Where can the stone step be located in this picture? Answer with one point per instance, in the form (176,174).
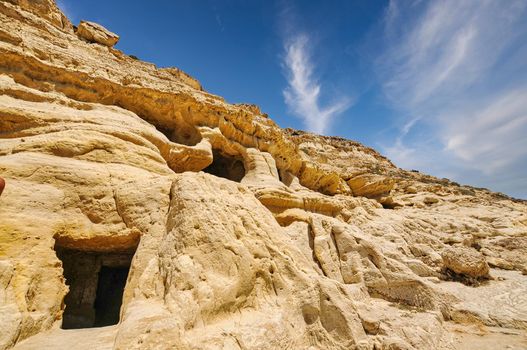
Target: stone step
(101,338)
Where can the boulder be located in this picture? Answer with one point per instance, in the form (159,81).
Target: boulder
(465,261)
(371,186)
(95,33)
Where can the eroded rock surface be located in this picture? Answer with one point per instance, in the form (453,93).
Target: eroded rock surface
(94,32)
(243,235)
(465,261)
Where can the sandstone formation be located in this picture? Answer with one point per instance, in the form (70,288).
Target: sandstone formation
(465,261)
(223,230)
(95,33)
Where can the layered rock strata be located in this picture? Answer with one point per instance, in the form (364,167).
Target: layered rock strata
(243,235)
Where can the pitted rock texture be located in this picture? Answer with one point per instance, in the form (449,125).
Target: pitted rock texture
(243,235)
(465,261)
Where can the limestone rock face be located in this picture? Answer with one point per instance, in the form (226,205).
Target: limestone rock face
(94,32)
(46,9)
(215,228)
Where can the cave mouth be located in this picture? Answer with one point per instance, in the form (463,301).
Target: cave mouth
(228,167)
(183,133)
(96,282)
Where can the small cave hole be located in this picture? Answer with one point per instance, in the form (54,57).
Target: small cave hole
(225,166)
(389,205)
(476,246)
(165,131)
(96,282)
(186,134)
(285,177)
(183,134)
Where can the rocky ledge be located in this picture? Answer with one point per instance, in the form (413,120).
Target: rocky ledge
(136,200)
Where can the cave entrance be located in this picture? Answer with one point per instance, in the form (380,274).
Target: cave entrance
(228,167)
(110,289)
(96,282)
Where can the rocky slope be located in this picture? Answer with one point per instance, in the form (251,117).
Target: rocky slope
(237,234)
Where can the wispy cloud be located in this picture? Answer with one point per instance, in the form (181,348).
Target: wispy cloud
(493,136)
(302,94)
(65,7)
(220,22)
(457,70)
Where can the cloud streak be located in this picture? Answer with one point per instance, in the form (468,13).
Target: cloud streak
(303,93)
(492,137)
(456,70)
(65,7)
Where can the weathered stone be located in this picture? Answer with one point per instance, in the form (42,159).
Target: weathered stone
(46,9)
(243,235)
(370,186)
(95,33)
(465,261)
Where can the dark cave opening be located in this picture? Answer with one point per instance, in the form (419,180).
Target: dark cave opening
(228,167)
(388,205)
(96,282)
(109,297)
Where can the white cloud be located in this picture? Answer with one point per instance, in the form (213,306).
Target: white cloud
(457,70)
(493,137)
(302,94)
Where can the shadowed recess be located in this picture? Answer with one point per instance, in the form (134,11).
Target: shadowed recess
(225,166)
(96,284)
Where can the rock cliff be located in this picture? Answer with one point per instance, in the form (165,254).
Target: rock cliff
(137,201)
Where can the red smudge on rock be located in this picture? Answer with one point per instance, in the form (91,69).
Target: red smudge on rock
(2,185)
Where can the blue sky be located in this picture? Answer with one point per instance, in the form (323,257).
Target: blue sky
(438,86)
